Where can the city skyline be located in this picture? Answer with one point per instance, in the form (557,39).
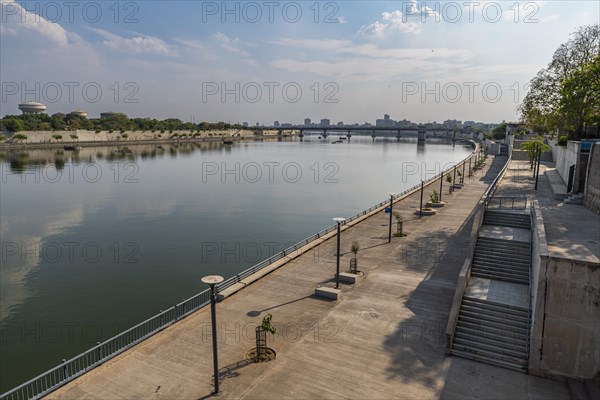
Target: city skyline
(250,61)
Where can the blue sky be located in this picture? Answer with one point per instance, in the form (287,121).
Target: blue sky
(262,61)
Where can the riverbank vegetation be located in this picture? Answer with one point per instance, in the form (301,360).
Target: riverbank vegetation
(116,123)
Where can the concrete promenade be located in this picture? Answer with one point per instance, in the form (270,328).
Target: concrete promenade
(384,339)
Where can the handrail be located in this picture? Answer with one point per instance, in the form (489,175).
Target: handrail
(68,370)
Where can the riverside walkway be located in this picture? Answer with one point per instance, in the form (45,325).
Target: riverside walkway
(383,339)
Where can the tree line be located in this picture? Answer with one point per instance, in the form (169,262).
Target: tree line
(115,123)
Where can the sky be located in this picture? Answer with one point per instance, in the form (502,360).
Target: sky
(350,61)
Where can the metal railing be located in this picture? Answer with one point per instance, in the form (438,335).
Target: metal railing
(507,203)
(70,369)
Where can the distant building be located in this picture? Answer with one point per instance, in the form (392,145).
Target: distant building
(325,122)
(245,124)
(341,123)
(276,124)
(110,114)
(307,122)
(32,107)
(78,113)
(386,122)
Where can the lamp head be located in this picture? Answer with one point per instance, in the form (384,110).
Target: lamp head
(212,279)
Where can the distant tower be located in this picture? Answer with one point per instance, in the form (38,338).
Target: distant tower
(32,107)
(79,113)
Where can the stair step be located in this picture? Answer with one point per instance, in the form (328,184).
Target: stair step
(502,221)
(519,271)
(525,250)
(499,278)
(485,317)
(488,305)
(491,330)
(514,247)
(500,348)
(496,312)
(496,304)
(502,259)
(513,338)
(508,261)
(499,363)
(497,325)
(491,354)
(502,243)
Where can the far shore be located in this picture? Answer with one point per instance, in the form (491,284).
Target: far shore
(46,139)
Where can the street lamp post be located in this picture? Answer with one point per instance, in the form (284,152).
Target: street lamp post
(339,221)
(391,212)
(441,183)
(212,281)
(421,204)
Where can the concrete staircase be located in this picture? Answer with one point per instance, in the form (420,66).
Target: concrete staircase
(507,218)
(503,260)
(493,333)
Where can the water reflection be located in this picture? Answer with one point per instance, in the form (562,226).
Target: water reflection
(20,160)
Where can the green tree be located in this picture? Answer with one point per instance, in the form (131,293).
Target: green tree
(533,146)
(541,108)
(579,104)
(13,124)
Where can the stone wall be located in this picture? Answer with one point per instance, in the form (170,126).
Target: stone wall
(565,158)
(565,329)
(106,136)
(592,184)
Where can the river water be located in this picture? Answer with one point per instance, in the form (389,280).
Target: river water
(95,241)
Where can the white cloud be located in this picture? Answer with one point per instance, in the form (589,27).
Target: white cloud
(138,44)
(234,46)
(399,21)
(14,17)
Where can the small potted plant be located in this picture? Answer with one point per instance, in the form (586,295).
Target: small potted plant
(262,351)
(399,224)
(434,200)
(458,185)
(353,261)
(449,180)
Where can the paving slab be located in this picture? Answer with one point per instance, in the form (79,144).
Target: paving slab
(511,294)
(505,233)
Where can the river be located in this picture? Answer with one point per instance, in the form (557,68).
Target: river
(97,240)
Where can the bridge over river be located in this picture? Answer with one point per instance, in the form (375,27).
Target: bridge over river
(420,132)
